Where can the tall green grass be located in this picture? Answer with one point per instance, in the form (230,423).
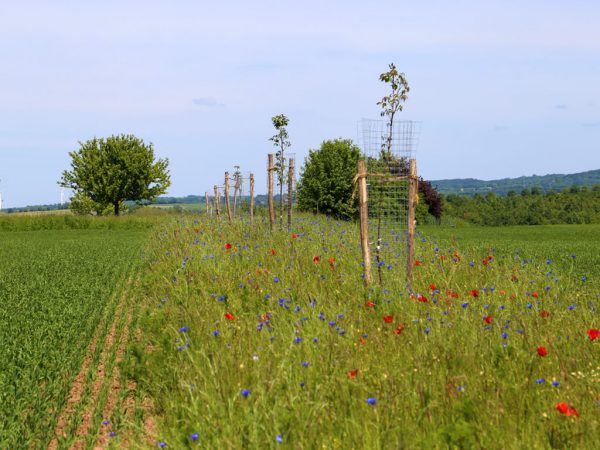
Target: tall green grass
(263,345)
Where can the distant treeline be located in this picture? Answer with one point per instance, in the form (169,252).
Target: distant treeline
(545,183)
(34,208)
(529,207)
(200,199)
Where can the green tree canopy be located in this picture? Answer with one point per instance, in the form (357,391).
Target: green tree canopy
(325,184)
(116,169)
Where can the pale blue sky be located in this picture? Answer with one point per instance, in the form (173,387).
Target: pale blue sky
(502,88)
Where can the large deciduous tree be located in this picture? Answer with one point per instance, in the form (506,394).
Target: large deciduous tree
(325,184)
(116,169)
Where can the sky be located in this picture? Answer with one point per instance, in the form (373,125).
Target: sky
(502,88)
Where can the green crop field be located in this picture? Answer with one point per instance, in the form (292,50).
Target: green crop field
(260,340)
(201,334)
(56,287)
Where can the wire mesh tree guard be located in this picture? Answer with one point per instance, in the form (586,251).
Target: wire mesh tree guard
(390,194)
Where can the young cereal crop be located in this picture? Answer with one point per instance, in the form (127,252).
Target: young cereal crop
(56,287)
(261,340)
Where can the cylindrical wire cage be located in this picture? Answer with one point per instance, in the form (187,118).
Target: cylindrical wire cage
(388,152)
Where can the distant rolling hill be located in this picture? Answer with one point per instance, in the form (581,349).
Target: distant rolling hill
(557,182)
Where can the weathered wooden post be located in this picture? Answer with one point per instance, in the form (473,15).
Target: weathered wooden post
(206,200)
(251,198)
(227,196)
(217,201)
(270,193)
(237,190)
(291,169)
(361,175)
(413,197)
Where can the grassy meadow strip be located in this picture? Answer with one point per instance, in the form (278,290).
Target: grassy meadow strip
(261,340)
(55,287)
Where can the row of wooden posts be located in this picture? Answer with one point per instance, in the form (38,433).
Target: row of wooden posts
(237,196)
(361,177)
(413,197)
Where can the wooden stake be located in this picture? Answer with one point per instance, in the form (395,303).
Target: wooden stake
(270,193)
(217,201)
(413,196)
(291,170)
(237,191)
(251,198)
(361,175)
(227,196)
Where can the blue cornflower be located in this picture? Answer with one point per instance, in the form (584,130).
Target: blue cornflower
(504,335)
(315,340)
(540,380)
(105,422)
(245,393)
(464,305)
(279,438)
(297,340)
(529,306)
(305,364)
(331,323)
(276,279)
(583,278)
(194,437)
(372,401)
(427,330)
(216,333)
(471,263)
(112,434)
(184,329)
(162,444)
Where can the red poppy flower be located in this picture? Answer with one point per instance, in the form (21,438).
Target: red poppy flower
(228,246)
(544,313)
(488,319)
(502,292)
(316,259)
(443,257)
(362,340)
(450,293)
(474,293)
(418,263)
(388,319)
(352,374)
(535,295)
(567,410)
(229,316)
(273,252)
(432,286)
(370,304)
(542,351)
(421,298)
(593,334)
(400,328)
(294,235)
(331,261)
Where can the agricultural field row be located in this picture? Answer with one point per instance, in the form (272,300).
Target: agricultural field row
(260,340)
(59,291)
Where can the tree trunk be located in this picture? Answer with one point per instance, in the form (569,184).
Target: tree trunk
(116,208)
